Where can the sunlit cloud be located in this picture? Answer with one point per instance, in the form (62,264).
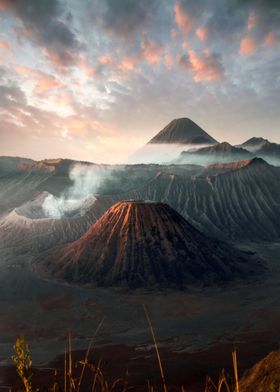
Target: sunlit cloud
(206,67)
(248,46)
(4,45)
(105,59)
(129,63)
(270,39)
(98,80)
(202,33)
(152,52)
(183,19)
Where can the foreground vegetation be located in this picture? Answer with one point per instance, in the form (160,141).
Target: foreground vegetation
(73,381)
(84,375)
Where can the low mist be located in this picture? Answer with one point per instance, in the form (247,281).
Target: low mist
(161,153)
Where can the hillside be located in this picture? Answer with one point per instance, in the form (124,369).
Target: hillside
(144,244)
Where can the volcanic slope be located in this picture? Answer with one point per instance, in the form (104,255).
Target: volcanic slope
(240,203)
(144,244)
(182,131)
(263,148)
(28,229)
(220,152)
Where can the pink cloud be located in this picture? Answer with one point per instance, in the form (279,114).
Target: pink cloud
(83,65)
(43,82)
(248,46)
(270,39)
(62,61)
(4,45)
(105,59)
(252,21)
(151,51)
(206,66)
(4,4)
(183,19)
(202,33)
(20,69)
(129,63)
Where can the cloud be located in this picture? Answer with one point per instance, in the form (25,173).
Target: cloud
(46,83)
(43,82)
(4,45)
(248,46)
(124,17)
(151,51)
(270,39)
(206,67)
(128,63)
(44,23)
(132,60)
(168,61)
(105,59)
(183,19)
(252,21)
(11,96)
(202,33)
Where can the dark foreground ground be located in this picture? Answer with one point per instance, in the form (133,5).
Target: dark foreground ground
(196,331)
(137,366)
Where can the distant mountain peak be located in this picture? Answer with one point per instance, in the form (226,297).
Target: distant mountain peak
(255,141)
(258,161)
(182,131)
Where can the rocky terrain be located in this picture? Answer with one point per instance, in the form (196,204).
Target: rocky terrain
(242,202)
(58,204)
(146,244)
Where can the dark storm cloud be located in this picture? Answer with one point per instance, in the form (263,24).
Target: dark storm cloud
(43,22)
(126,17)
(270,6)
(225,19)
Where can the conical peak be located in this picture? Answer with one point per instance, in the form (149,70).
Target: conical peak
(182,131)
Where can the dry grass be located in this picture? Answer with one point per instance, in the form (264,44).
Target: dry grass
(73,381)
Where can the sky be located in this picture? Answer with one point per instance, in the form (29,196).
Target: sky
(96,79)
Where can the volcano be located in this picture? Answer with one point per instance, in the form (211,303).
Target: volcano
(220,152)
(30,227)
(263,148)
(182,131)
(145,244)
(254,143)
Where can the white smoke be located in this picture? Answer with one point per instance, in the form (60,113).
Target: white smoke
(77,199)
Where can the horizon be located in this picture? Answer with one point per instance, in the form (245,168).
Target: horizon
(127,160)
(98,81)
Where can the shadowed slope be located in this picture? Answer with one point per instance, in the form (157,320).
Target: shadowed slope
(242,203)
(220,152)
(144,244)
